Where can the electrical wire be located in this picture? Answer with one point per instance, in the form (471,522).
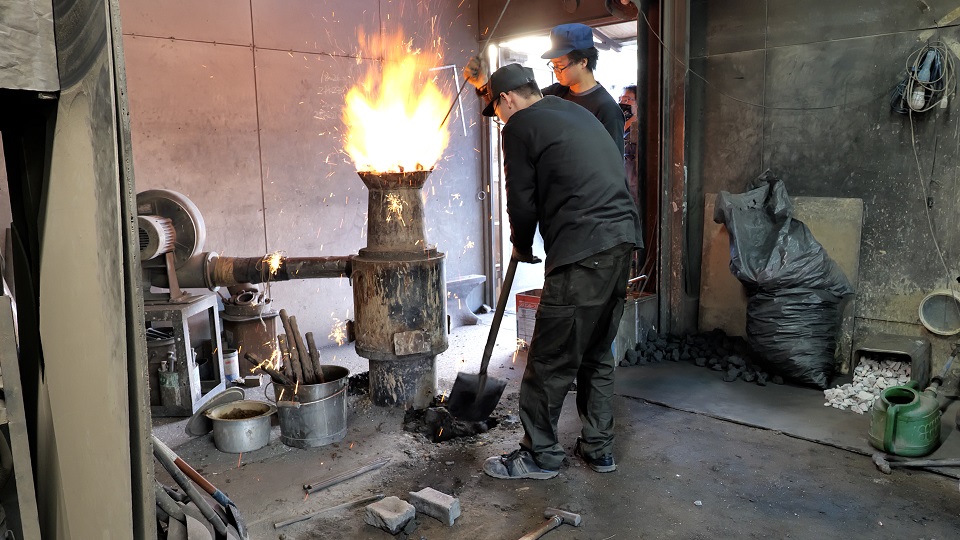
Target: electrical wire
(933,233)
(941,83)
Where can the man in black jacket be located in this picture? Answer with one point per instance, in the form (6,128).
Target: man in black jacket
(564,173)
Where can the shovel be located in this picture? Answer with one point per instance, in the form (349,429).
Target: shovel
(474,397)
(233,513)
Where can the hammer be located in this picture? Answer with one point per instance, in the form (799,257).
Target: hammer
(885,463)
(555,518)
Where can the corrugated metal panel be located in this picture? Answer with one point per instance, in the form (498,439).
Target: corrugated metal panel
(28,55)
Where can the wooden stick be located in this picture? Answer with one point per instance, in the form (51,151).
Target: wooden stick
(315,357)
(295,356)
(277,376)
(309,373)
(288,367)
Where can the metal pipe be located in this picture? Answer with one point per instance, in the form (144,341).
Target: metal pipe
(226,271)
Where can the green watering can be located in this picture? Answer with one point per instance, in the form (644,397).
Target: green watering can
(906,422)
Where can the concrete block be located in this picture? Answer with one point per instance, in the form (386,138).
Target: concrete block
(390,514)
(436,504)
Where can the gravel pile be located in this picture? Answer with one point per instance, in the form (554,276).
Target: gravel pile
(873,375)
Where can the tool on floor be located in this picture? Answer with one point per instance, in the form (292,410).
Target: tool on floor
(483,49)
(555,518)
(163,455)
(357,502)
(885,463)
(233,513)
(197,527)
(323,483)
(474,397)
(166,503)
(176,530)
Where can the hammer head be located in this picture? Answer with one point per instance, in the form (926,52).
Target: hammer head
(568,518)
(882,464)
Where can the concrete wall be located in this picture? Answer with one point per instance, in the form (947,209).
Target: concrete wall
(237,104)
(802,89)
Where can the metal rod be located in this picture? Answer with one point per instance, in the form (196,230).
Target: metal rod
(323,483)
(480,55)
(305,517)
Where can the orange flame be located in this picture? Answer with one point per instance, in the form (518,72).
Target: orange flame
(393,115)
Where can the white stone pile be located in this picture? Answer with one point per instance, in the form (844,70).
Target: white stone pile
(871,377)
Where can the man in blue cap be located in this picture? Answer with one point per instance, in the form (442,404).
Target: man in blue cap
(573,58)
(565,175)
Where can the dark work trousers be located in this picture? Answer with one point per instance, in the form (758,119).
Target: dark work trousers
(577,321)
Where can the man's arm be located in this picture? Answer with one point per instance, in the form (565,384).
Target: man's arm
(521,187)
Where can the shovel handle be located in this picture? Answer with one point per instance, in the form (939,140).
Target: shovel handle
(498,316)
(192,474)
(166,457)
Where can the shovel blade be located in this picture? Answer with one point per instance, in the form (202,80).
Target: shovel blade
(474,397)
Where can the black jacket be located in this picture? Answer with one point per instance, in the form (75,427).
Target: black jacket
(599,102)
(564,172)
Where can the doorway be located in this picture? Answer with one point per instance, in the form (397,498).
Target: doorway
(617,68)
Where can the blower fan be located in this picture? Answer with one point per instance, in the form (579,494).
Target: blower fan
(172,234)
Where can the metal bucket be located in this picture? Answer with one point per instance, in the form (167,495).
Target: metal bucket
(241,426)
(314,414)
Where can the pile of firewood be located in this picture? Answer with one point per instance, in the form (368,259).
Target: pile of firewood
(299,361)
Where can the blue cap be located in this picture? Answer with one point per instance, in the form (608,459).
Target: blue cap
(569,37)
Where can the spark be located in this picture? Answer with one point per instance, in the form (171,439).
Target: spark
(238,459)
(273,261)
(441,433)
(339,332)
(395,206)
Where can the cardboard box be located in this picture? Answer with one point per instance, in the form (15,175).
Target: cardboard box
(527,304)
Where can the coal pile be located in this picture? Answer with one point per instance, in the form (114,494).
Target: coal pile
(359,384)
(437,424)
(730,355)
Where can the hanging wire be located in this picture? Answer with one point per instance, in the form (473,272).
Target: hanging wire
(914,94)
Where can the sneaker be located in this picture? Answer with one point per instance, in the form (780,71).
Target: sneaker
(602,464)
(516,464)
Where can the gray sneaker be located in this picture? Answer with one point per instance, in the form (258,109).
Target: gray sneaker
(516,464)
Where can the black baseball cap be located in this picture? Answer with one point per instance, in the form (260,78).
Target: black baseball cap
(509,77)
(568,37)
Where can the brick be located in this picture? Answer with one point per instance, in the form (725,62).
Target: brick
(437,505)
(390,514)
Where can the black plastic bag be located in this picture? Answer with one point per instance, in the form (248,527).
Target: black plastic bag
(794,332)
(795,288)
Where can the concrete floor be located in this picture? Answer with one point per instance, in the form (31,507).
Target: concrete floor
(750,483)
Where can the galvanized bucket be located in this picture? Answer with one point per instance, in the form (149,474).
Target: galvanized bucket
(314,414)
